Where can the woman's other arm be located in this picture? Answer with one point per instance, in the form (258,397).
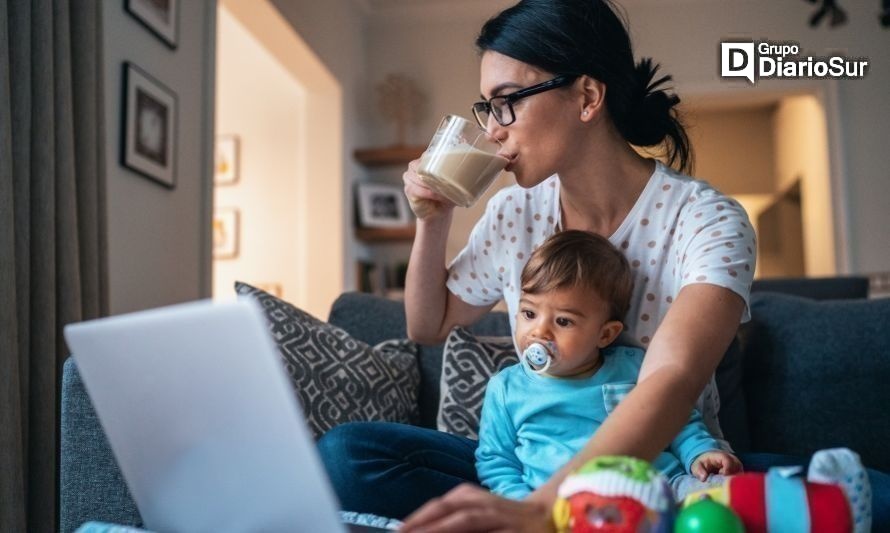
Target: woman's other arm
(431,309)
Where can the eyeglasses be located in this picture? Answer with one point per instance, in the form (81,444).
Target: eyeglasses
(501,107)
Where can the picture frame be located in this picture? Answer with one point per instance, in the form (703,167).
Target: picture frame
(382,206)
(160,17)
(226,162)
(226,232)
(148,140)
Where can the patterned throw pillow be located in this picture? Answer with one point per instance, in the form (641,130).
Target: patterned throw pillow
(468,362)
(338,378)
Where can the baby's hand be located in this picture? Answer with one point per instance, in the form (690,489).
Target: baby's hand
(716,462)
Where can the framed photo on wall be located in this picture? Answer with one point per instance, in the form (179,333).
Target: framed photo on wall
(226,161)
(159,16)
(149,126)
(382,206)
(226,221)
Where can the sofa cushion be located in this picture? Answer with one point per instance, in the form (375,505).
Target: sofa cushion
(468,362)
(816,376)
(336,377)
(373,319)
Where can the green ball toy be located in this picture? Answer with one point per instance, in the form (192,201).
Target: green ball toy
(708,516)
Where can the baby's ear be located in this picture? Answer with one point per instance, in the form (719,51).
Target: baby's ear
(610,332)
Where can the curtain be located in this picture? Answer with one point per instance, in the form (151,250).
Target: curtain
(53,251)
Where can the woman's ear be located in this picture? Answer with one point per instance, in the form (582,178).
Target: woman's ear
(609,332)
(593,98)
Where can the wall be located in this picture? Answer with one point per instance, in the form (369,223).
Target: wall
(434,44)
(158,243)
(259,100)
(724,141)
(801,152)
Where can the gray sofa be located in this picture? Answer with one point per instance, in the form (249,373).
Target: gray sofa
(808,372)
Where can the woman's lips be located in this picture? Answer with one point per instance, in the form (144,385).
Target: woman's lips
(511,160)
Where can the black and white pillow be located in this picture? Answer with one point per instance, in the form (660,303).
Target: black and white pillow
(468,362)
(336,377)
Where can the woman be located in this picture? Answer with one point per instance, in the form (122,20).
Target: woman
(563,95)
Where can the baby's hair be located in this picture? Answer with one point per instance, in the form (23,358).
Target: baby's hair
(580,259)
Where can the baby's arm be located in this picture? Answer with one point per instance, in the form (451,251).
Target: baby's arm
(700,453)
(497,466)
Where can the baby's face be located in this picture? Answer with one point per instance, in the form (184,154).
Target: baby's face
(572,319)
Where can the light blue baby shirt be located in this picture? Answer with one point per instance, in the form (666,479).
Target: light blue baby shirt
(532,425)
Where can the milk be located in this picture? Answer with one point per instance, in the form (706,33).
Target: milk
(460,173)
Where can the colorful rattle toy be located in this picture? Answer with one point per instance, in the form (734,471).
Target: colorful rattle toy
(834,497)
(612,494)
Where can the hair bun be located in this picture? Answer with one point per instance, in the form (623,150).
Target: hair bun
(650,114)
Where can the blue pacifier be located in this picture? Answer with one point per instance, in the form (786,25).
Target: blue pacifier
(538,356)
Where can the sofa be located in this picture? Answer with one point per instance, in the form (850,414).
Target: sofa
(807,372)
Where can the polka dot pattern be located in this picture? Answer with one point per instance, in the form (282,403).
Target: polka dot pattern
(681,232)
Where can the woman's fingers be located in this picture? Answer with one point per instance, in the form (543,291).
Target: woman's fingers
(439,508)
(423,200)
(470,508)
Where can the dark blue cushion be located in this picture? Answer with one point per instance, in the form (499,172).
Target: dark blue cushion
(817,375)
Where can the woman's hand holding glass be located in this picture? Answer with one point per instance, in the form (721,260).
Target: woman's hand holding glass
(425,202)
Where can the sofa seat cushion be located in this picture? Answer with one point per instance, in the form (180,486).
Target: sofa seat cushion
(817,375)
(336,377)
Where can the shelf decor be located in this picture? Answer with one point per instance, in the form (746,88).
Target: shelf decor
(382,206)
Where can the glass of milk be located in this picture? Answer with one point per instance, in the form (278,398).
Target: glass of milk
(461,161)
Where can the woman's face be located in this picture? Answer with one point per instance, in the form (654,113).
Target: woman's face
(547,125)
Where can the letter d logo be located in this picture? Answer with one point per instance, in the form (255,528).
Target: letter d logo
(737,60)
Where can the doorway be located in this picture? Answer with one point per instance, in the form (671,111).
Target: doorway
(771,153)
(278,192)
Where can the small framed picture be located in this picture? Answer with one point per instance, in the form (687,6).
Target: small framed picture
(382,206)
(149,127)
(159,16)
(225,232)
(226,165)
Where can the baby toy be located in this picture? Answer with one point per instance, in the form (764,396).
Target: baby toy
(612,494)
(708,516)
(835,496)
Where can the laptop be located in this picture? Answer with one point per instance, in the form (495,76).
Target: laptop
(203,421)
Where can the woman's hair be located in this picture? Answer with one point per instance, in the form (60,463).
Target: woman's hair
(587,37)
(580,259)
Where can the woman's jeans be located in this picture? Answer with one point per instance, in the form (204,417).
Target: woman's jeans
(392,469)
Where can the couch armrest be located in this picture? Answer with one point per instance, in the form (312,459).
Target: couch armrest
(91,486)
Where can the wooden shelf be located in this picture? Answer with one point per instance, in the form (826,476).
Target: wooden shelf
(394,155)
(405,233)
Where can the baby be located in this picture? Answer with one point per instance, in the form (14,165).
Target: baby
(538,414)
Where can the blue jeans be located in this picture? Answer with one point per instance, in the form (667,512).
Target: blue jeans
(392,469)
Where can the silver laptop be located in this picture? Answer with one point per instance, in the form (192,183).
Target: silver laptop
(202,420)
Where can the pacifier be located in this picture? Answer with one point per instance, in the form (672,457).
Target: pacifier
(538,356)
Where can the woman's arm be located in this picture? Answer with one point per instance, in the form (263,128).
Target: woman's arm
(431,310)
(683,354)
